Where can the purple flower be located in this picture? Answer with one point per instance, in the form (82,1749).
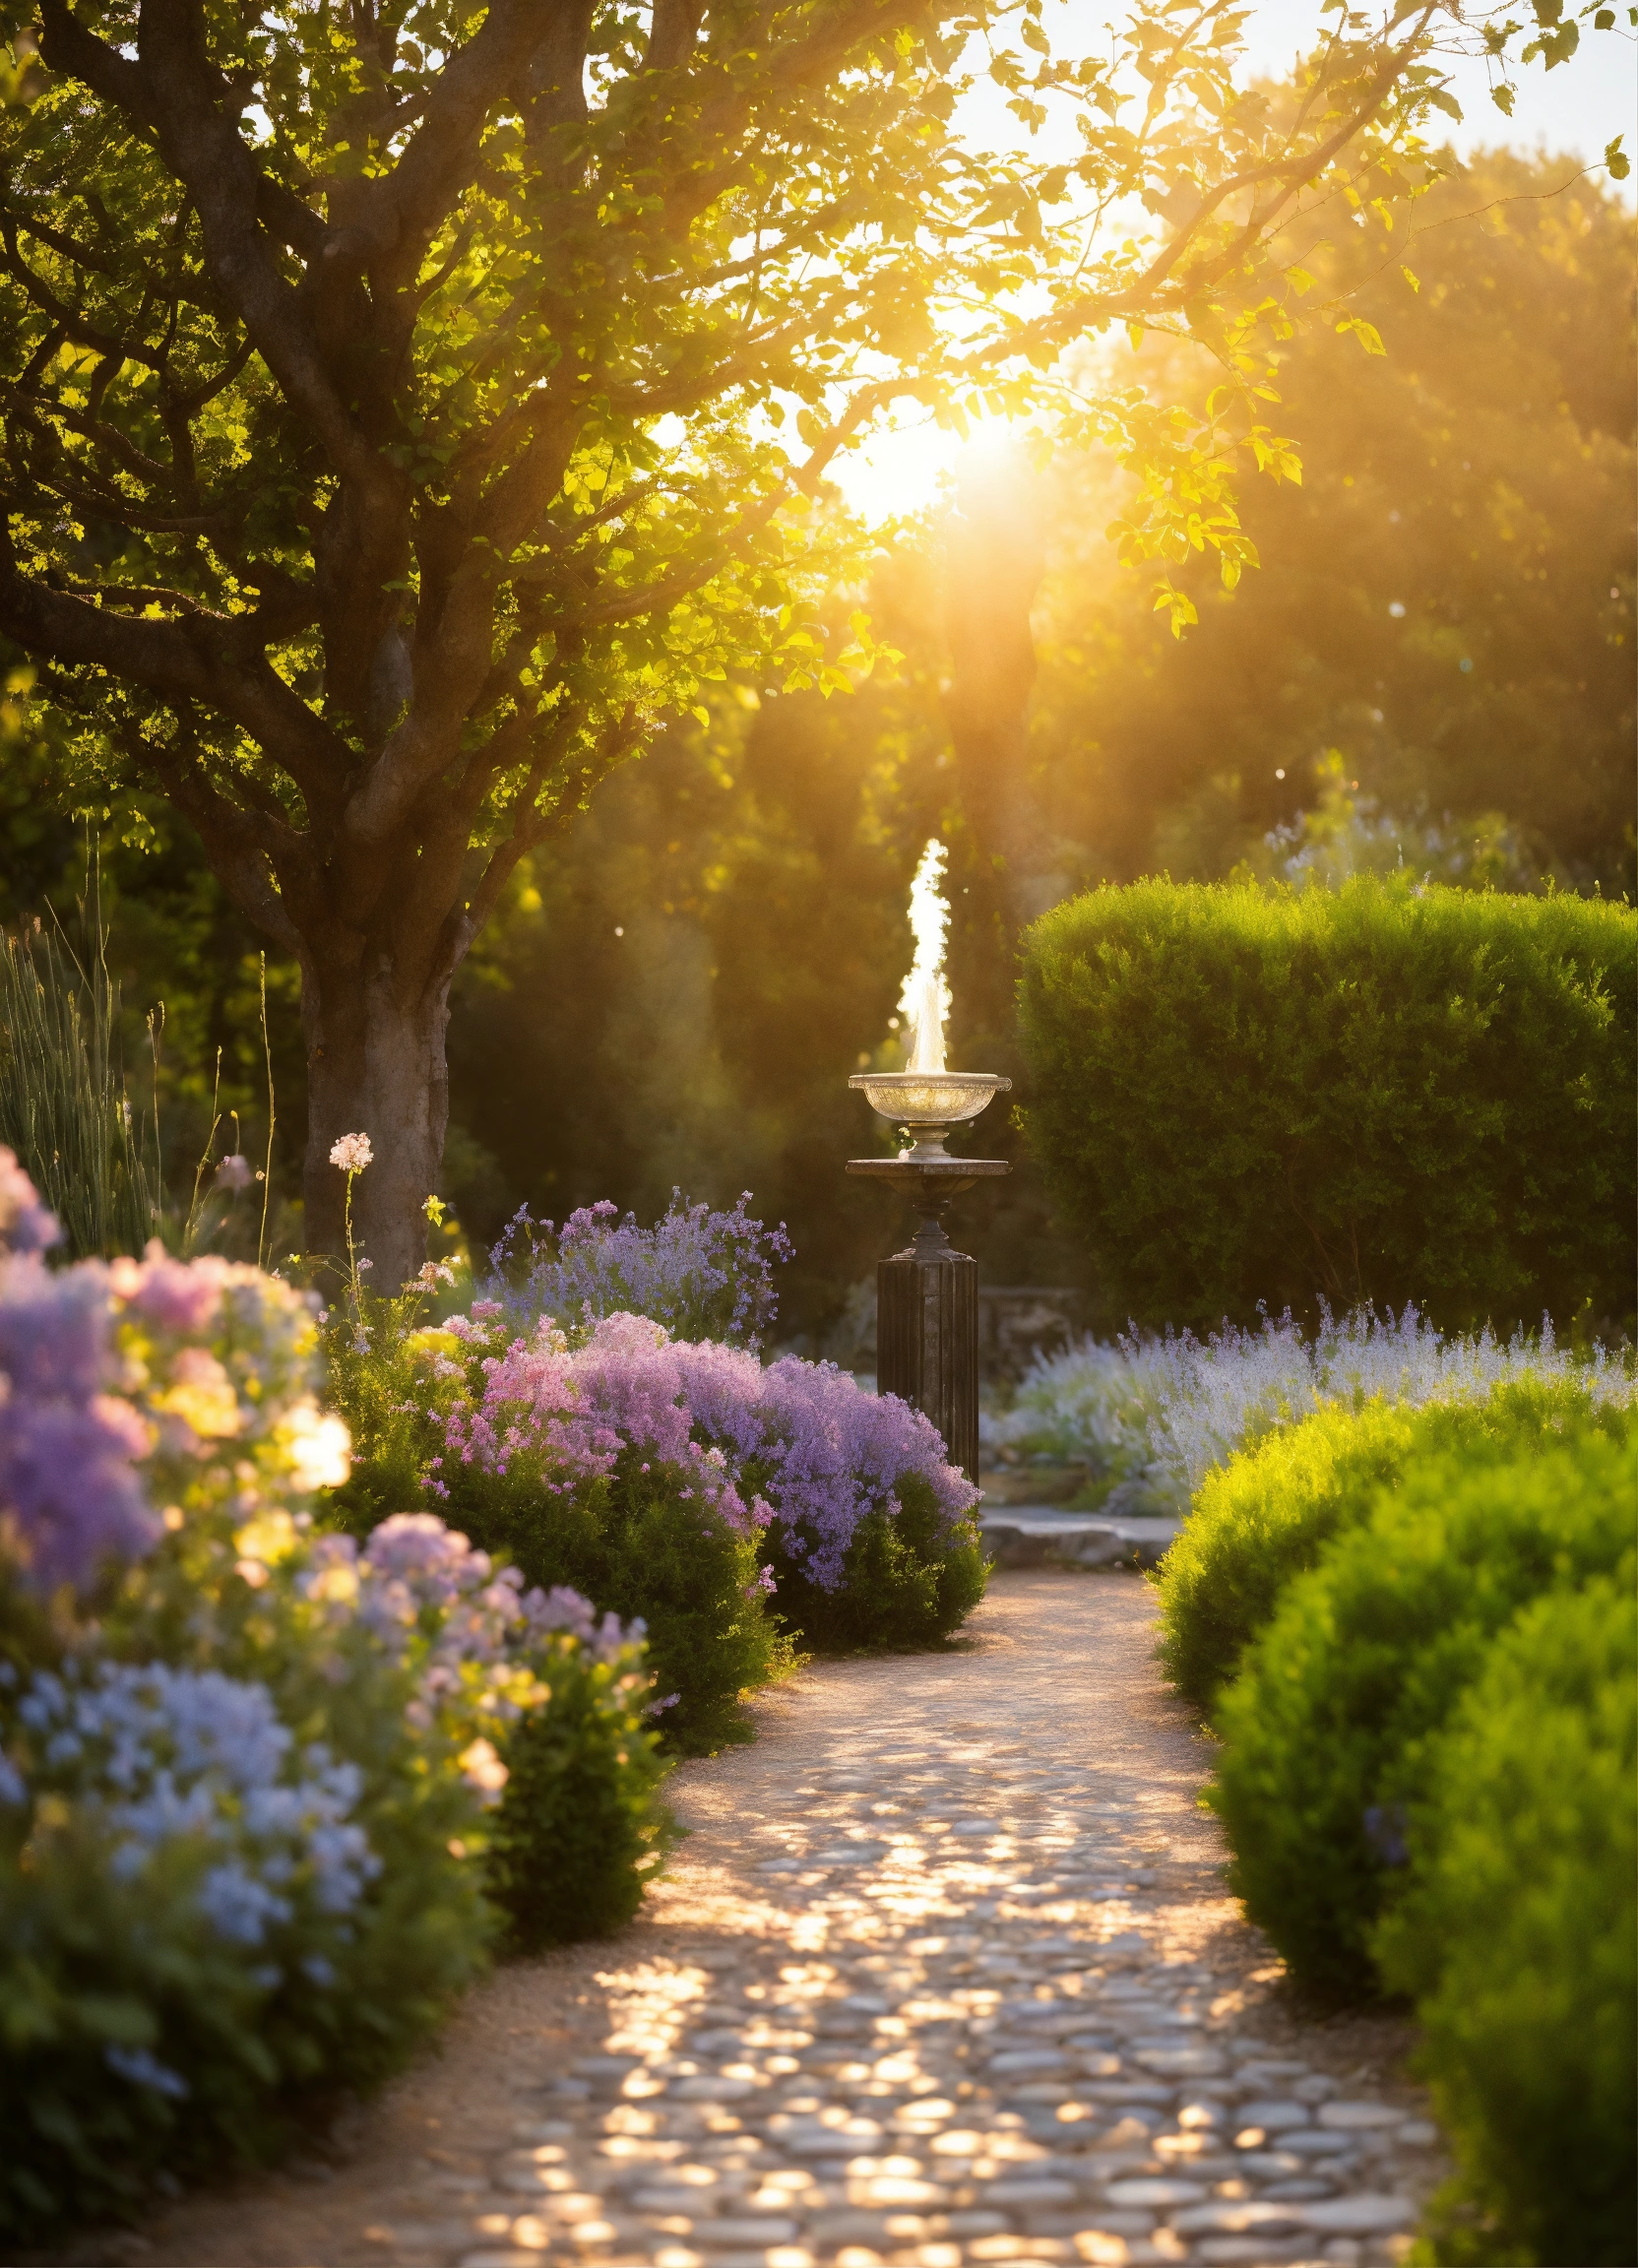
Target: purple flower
(26,1224)
(171,1295)
(70,1498)
(704,1275)
(798,1442)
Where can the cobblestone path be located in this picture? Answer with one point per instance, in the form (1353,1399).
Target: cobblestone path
(945,1973)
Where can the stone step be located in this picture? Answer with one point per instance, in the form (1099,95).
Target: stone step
(1037,1536)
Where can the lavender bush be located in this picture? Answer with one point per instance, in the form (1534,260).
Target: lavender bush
(265,1797)
(1172,1409)
(681,1480)
(702,1274)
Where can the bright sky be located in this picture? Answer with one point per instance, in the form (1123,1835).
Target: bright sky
(1576,109)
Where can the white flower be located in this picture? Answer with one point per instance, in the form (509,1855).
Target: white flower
(318,1446)
(352,1153)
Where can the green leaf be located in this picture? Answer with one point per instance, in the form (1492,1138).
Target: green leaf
(1370,337)
(1615,157)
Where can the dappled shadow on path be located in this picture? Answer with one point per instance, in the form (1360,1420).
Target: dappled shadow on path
(945,1971)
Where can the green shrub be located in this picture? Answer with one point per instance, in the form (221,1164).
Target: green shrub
(1326,1726)
(640,1544)
(579,1832)
(906,1580)
(1517,1935)
(1245,1095)
(1266,1515)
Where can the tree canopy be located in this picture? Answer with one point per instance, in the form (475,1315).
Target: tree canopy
(406,407)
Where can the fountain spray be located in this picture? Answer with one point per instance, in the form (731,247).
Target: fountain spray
(925,999)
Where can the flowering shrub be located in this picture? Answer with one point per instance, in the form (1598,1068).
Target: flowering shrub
(797,1453)
(1172,1409)
(583,1469)
(704,1275)
(682,1482)
(264,1794)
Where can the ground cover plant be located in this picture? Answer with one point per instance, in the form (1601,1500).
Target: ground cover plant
(257,1815)
(1261,1520)
(1328,1728)
(1385,1092)
(1516,1936)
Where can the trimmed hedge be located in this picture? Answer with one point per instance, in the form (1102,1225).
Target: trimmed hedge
(1247,1095)
(1266,1517)
(1326,1726)
(1518,1936)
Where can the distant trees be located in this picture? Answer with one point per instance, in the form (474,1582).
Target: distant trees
(1446,600)
(408,407)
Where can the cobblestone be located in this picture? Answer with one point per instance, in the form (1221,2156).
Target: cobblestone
(945,1973)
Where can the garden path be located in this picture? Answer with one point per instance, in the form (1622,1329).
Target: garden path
(944,1974)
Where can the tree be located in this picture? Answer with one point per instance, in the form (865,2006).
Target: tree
(1447,599)
(395,401)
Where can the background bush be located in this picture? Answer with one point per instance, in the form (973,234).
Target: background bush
(1245,1094)
(1265,1517)
(1325,1729)
(1518,1932)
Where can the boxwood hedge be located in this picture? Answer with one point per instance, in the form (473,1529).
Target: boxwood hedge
(1327,1729)
(1518,1937)
(1266,1515)
(1380,1092)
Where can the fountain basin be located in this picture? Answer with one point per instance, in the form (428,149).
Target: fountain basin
(927,1102)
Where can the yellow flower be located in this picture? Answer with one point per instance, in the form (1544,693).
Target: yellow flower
(337,1584)
(269,1537)
(202,1395)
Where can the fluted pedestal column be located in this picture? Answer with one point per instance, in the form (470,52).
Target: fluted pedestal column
(927,1302)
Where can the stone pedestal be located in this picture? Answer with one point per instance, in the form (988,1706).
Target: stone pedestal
(927,1302)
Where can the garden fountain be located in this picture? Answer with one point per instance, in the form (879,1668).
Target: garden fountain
(927,1295)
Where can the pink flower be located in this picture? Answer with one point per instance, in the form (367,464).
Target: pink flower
(174,1295)
(352,1153)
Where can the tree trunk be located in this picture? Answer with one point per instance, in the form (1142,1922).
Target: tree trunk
(375,1065)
